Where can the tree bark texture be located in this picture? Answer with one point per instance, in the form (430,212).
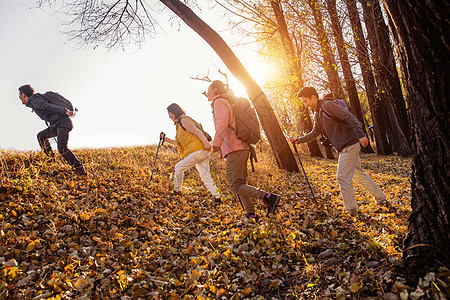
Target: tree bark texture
(280,147)
(296,70)
(379,129)
(388,82)
(387,60)
(329,64)
(313,146)
(350,83)
(286,40)
(346,68)
(423,49)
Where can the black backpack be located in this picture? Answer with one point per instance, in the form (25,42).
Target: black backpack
(59,100)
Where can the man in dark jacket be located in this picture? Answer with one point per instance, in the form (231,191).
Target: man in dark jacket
(338,125)
(57,117)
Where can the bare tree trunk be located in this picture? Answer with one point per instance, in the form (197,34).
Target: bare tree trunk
(313,146)
(387,77)
(382,99)
(423,51)
(390,68)
(346,68)
(269,122)
(295,66)
(328,56)
(379,130)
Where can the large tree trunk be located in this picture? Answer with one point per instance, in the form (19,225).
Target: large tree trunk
(346,68)
(423,51)
(389,89)
(296,70)
(387,60)
(379,130)
(329,63)
(269,122)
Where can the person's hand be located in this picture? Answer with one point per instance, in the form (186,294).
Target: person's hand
(293,140)
(162,135)
(69,113)
(364,142)
(217,149)
(208,147)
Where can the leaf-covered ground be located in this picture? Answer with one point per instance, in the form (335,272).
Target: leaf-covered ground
(117,234)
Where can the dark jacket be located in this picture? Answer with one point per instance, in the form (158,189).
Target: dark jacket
(343,129)
(47,111)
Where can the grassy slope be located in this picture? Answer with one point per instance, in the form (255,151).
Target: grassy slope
(116,233)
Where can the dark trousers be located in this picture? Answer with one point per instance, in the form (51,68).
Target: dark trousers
(61,132)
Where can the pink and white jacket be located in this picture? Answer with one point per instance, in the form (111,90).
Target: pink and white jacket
(225,137)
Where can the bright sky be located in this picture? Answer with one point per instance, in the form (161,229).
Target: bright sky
(121,96)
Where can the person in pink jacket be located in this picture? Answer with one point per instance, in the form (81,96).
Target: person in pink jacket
(235,151)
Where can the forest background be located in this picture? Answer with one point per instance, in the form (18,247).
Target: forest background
(320,42)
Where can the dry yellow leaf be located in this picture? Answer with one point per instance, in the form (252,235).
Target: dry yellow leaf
(30,246)
(221,292)
(83,284)
(355,287)
(246,292)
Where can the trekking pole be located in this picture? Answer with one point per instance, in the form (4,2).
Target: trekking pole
(299,160)
(161,141)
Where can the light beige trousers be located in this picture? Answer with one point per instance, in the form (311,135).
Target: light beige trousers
(200,159)
(349,167)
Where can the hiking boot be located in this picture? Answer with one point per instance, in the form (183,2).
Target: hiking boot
(271,201)
(80,170)
(383,202)
(352,212)
(252,217)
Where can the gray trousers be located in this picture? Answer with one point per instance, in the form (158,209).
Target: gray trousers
(237,178)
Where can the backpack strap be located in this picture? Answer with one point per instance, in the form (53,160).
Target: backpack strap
(178,121)
(193,121)
(327,113)
(231,112)
(253,157)
(322,110)
(197,124)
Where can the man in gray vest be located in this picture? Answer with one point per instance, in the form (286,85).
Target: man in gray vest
(59,125)
(343,130)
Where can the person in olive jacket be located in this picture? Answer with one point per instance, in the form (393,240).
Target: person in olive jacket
(59,125)
(338,125)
